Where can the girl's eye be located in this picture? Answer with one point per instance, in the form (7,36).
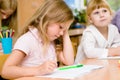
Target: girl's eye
(61,27)
(96,12)
(104,10)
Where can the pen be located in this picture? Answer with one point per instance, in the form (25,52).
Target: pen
(70,67)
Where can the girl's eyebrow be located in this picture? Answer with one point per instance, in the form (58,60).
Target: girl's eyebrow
(63,26)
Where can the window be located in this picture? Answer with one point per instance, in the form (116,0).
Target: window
(114,4)
(76,4)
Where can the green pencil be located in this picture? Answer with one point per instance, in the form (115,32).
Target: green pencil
(70,67)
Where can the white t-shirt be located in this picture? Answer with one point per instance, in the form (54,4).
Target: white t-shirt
(32,46)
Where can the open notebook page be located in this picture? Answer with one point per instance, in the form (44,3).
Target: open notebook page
(72,72)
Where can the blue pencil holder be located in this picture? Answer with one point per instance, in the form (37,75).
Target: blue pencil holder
(7,45)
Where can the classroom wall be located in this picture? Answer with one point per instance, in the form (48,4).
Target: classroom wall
(26,9)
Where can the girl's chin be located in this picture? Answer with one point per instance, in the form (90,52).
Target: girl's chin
(52,39)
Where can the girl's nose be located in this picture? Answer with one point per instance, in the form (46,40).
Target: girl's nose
(61,32)
(101,14)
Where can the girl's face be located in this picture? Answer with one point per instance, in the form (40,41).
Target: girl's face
(6,13)
(56,30)
(100,17)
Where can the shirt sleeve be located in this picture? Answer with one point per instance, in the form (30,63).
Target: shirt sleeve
(23,44)
(116,40)
(90,47)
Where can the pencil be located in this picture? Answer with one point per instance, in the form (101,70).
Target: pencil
(6,33)
(1,35)
(12,33)
(71,67)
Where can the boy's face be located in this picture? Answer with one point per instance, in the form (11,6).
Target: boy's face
(100,17)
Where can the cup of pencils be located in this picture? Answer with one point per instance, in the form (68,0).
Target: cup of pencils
(6,40)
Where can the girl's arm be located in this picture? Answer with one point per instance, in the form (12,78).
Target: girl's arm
(67,55)
(114,51)
(93,50)
(12,68)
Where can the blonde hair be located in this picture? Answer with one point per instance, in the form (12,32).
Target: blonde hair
(55,11)
(96,4)
(8,4)
(11,21)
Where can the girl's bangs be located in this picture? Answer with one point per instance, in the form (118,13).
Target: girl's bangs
(97,6)
(100,5)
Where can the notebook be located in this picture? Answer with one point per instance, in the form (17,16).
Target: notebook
(72,73)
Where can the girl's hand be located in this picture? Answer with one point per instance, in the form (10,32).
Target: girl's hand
(65,33)
(47,67)
(114,51)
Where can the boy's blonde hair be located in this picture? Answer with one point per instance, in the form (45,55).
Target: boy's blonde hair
(96,4)
(56,11)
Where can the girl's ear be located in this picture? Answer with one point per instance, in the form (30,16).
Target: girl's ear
(89,19)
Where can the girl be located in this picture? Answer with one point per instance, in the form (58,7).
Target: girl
(34,52)
(100,39)
(8,9)
(8,15)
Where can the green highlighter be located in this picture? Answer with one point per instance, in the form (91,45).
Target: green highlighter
(70,67)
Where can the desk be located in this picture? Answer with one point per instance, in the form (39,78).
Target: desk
(111,71)
(76,32)
(3,57)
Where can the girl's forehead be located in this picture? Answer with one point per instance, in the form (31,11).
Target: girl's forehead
(58,23)
(63,24)
(66,23)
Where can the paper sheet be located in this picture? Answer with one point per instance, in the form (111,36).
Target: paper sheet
(72,73)
(113,57)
